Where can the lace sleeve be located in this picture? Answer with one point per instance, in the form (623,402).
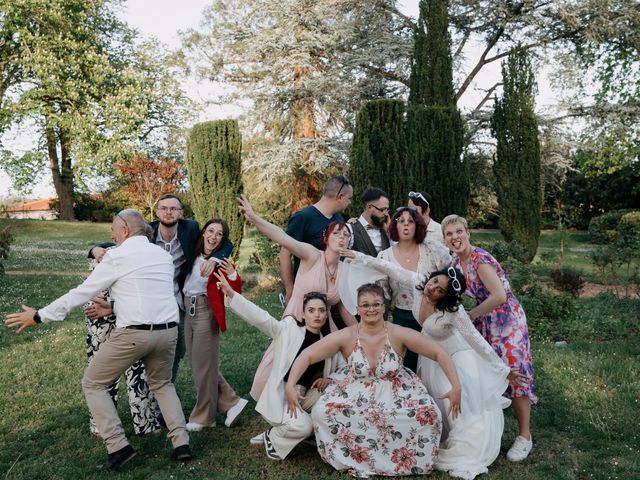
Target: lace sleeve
(389,269)
(462,322)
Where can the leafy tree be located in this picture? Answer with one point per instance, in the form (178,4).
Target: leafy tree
(213,161)
(378,152)
(434,124)
(146,179)
(5,245)
(517,160)
(71,68)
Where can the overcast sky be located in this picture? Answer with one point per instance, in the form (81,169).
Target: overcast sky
(163,19)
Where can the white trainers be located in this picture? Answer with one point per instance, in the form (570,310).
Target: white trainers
(520,449)
(196,427)
(258,439)
(234,412)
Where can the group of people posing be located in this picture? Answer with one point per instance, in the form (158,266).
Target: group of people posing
(374,353)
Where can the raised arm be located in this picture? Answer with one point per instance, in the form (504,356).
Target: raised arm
(303,251)
(383,266)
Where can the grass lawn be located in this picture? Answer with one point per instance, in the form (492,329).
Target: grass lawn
(586,425)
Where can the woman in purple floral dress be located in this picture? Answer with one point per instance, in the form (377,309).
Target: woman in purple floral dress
(377,417)
(500,319)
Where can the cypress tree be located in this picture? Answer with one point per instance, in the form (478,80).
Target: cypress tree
(213,163)
(434,126)
(517,160)
(378,152)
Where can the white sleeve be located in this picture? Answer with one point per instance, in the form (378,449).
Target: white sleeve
(388,268)
(256,316)
(462,323)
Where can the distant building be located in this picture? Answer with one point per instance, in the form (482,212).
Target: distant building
(36,209)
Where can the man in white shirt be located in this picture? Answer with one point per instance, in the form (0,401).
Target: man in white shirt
(423,202)
(139,275)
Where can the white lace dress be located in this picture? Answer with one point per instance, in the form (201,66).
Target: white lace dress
(471,442)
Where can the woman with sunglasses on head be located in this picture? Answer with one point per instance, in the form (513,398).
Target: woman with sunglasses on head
(376,417)
(290,337)
(471,442)
(414,254)
(204,320)
(500,319)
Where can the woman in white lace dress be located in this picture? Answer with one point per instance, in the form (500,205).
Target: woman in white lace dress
(470,442)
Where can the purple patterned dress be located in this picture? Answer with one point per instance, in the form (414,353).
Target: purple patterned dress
(505,328)
(377,420)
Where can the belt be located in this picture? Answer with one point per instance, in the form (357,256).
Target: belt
(151,326)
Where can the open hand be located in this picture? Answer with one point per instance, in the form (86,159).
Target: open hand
(321,384)
(453,396)
(347,253)
(223,285)
(98,308)
(517,378)
(228,268)
(293,401)
(245,207)
(22,320)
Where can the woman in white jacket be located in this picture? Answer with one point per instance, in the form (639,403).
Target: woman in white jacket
(289,339)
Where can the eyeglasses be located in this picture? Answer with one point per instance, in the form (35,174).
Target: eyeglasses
(413,195)
(122,218)
(314,296)
(192,308)
(169,209)
(371,306)
(381,210)
(455,283)
(345,181)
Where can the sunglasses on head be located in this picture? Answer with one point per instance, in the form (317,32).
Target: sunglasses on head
(455,283)
(345,181)
(418,195)
(406,209)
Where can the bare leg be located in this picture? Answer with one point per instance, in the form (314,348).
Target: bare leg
(522,409)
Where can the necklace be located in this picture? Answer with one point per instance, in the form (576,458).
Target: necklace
(332,275)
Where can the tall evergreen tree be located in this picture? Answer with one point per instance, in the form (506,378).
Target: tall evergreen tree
(378,151)
(434,125)
(213,160)
(517,160)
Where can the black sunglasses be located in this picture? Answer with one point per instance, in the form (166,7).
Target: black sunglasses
(345,181)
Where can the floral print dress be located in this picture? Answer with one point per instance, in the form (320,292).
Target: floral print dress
(377,420)
(505,328)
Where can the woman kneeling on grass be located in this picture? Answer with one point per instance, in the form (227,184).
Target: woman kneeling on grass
(376,417)
(289,339)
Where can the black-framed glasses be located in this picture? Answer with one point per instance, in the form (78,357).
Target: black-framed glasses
(192,307)
(418,195)
(381,210)
(453,275)
(345,181)
(371,306)
(122,218)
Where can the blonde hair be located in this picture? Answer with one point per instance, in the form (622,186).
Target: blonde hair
(451,219)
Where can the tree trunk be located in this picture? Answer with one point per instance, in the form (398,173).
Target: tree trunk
(61,171)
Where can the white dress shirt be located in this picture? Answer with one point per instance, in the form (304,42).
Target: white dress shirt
(374,233)
(139,275)
(434,232)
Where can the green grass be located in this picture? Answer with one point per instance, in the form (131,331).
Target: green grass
(584,427)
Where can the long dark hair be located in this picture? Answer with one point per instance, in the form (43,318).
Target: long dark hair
(199,250)
(453,296)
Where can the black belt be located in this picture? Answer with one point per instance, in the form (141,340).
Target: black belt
(151,326)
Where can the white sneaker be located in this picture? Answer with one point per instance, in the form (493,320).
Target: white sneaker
(234,412)
(520,449)
(196,427)
(258,439)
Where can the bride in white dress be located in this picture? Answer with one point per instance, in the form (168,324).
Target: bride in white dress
(471,442)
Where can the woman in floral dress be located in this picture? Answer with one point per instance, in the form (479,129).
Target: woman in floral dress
(500,319)
(377,417)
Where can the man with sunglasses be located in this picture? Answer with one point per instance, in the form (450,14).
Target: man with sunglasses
(369,232)
(423,202)
(308,225)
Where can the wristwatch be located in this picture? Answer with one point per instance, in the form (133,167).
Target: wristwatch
(36,317)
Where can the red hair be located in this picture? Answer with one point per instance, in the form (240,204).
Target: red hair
(421,227)
(330,229)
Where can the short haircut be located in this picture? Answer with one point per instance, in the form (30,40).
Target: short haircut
(329,230)
(371,194)
(167,196)
(421,203)
(335,185)
(451,219)
(199,250)
(451,299)
(421,227)
(134,220)
(148,231)
(371,288)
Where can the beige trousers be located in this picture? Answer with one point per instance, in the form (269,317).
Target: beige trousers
(202,339)
(156,349)
(286,436)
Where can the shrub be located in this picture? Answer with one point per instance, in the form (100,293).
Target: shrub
(549,316)
(5,245)
(568,280)
(603,229)
(503,251)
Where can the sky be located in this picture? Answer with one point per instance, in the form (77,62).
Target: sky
(163,19)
